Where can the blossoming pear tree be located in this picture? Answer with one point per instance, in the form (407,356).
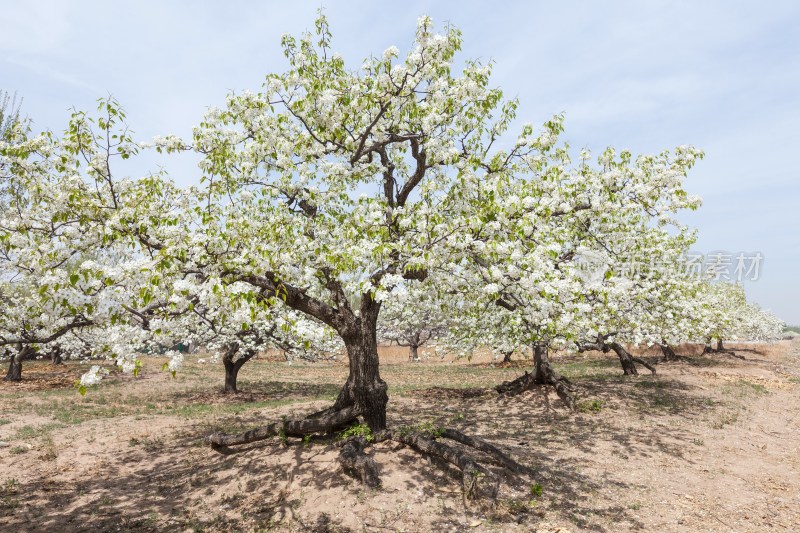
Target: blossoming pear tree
(328,189)
(71,239)
(235,328)
(529,246)
(648,298)
(414,317)
(731,317)
(333,186)
(45,289)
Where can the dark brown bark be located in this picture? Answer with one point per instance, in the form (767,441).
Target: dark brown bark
(232,367)
(364,387)
(487,448)
(55,356)
(357,463)
(629,361)
(507,356)
(14,369)
(669,353)
(719,349)
(543,374)
(15,364)
(413,355)
(476,480)
(231,374)
(625,359)
(287,428)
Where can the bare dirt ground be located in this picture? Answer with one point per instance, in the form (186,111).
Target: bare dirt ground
(710,443)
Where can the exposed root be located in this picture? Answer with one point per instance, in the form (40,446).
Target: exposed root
(478,482)
(528,381)
(628,361)
(487,448)
(355,462)
(288,428)
(721,351)
(472,472)
(644,363)
(517,386)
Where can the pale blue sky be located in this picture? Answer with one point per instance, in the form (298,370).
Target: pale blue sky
(724,76)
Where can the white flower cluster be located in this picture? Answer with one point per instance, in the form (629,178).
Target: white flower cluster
(93,376)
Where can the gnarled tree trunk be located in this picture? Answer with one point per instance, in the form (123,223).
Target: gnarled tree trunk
(628,361)
(543,374)
(232,367)
(669,353)
(413,353)
(55,356)
(720,349)
(507,356)
(15,364)
(364,387)
(625,359)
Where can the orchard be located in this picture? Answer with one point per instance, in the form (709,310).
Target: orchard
(337,211)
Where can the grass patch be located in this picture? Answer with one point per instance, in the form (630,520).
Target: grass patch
(149,444)
(725,419)
(590,406)
(744,389)
(9,495)
(33,432)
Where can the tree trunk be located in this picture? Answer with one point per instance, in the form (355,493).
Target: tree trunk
(232,367)
(231,373)
(720,347)
(625,359)
(15,365)
(669,353)
(543,374)
(413,353)
(364,387)
(628,361)
(507,356)
(55,356)
(541,364)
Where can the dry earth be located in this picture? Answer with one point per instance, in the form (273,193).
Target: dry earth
(710,443)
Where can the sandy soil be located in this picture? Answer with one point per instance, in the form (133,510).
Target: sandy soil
(710,443)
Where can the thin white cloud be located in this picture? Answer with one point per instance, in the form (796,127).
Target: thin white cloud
(44,70)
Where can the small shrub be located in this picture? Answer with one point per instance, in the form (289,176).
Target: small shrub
(357,430)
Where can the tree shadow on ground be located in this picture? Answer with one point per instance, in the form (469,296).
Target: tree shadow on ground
(163,485)
(263,391)
(532,424)
(166,488)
